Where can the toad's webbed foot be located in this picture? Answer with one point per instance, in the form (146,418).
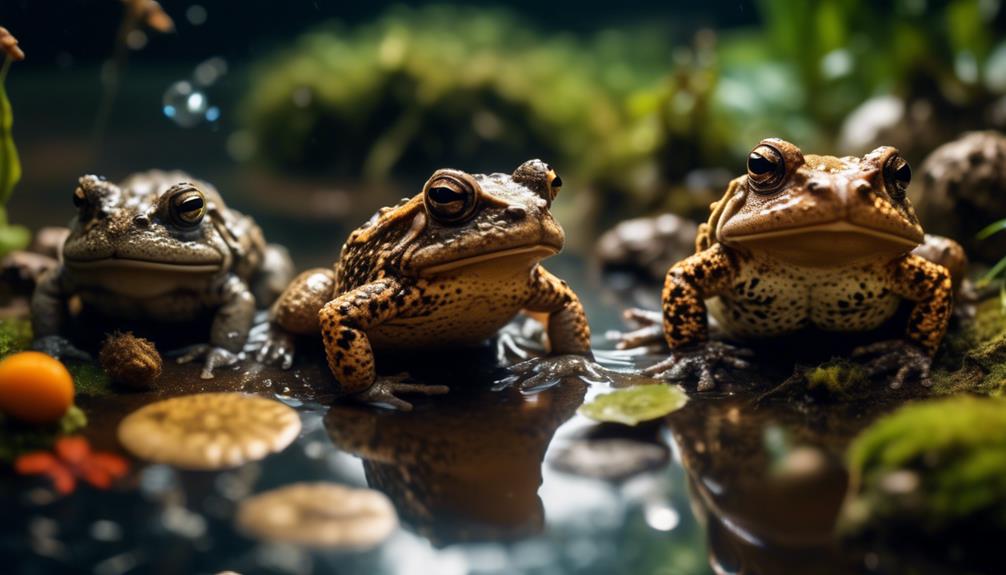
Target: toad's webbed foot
(214,357)
(385,390)
(271,345)
(648,329)
(59,347)
(702,360)
(903,358)
(541,373)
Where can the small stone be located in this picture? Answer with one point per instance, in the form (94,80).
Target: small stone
(130,361)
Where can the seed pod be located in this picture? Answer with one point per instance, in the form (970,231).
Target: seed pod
(130,361)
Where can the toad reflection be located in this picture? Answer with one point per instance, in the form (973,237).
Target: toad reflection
(464,469)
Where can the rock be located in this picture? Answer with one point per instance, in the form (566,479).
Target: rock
(648,245)
(20,270)
(961,188)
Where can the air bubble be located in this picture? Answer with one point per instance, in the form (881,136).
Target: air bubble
(184,105)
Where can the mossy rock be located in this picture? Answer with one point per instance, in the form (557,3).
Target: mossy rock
(931,476)
(974,358)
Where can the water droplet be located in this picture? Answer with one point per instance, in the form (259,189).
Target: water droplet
(184,105)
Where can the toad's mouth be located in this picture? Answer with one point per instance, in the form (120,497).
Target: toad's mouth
(526,253)
(119,263)
(838,228)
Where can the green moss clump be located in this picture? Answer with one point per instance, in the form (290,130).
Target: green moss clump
(931,470)
(18,438)
(836,379)
(974,359)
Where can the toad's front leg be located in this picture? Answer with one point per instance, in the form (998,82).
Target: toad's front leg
(568,337)
(930,286)
(686,325)
(344,324)
(229,331)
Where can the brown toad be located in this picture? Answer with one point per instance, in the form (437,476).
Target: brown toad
(446,268)
(808,241)
(160,247)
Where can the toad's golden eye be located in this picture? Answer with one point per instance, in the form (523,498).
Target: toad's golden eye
(188,206)
(554,183)
(766,168)
(451,197)
(897,176)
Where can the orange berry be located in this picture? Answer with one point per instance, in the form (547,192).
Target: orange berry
(35,387)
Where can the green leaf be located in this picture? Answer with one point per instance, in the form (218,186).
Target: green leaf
(636,404)
(993,273)
(991,229)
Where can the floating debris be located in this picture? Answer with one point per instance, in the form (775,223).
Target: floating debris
(73,459)
(130,361)
(319,515)
(209,431)
(634,405)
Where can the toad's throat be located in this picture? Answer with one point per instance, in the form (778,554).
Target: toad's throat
(826,245)
(528,253)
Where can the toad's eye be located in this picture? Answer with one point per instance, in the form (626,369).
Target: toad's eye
(766,168)
(554,183)
(897,176)
(451,198)
(187,207)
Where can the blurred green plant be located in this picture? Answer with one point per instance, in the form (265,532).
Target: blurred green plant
(931,477)
(11,237)
(419,88)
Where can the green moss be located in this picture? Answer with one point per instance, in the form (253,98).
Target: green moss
(930,467)
(17,438)
(973,359)
(89,379)
(835,378)
(15,335)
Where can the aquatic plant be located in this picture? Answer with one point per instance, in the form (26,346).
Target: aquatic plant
(934,469)
(11,237)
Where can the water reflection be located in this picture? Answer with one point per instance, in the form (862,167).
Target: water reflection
(467,468)
(767,481)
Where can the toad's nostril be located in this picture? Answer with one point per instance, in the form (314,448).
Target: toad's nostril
(141,221)
(861,187)
(516,212)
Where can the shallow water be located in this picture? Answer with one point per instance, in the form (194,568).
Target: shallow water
(481,479)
